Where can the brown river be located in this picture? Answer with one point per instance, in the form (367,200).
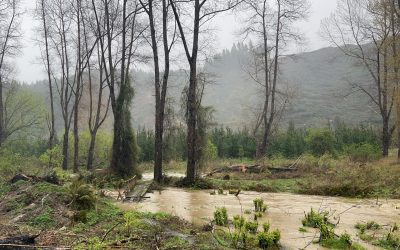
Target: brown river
(285,211)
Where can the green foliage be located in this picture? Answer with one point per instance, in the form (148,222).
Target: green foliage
(269,239)
(326,232)
(266,226)
(391,241)
(370,225)
(81,195)
(102,148)
(43,220)
(125,151)
(303,230)
(363,152)
(251,227)
(24,116)
(233,144)
(211,151)
(13,163)
(320,142)
(290,144)
(130,220)
(175,242)
(238,221)
(297,141)
(259,205)
(315,219)
(53,157)
(221,216)
(145,140)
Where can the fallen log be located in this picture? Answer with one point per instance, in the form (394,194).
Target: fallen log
(20,240)
(29,247)
(52,178)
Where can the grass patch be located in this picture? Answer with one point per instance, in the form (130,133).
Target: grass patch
(44,220)
(340,244)
(278,185)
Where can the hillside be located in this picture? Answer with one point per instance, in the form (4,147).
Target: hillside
(319,82)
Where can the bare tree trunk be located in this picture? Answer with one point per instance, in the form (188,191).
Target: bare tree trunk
(2,132)
(65,150)
(160,90)
(77,90)
(52,127)
(90,156)
(192,102)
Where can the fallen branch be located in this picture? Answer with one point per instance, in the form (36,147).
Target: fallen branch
(109,231)
(17,246)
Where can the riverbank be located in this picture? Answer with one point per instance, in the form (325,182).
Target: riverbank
(41,214)
(314,176)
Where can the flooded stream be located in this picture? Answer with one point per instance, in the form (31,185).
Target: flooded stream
(285,211)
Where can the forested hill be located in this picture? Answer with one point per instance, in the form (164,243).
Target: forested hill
(319,82)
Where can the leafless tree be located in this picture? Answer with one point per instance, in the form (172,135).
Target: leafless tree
(66,61)
(10,17)
(153,10)
(198,13)
(22,110)
(42,16)
(271,22)
(361,29)
(99,101)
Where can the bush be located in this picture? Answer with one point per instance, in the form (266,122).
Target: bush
(238,222)
(320,142)
(52,158)
(259,205)
(221,216)
(251,226)
(82,195)
(268,239)
(315,219)
(363,152)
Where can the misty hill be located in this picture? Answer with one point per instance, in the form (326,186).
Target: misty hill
(318,80)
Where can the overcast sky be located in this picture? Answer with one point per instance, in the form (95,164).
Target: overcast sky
(29,68)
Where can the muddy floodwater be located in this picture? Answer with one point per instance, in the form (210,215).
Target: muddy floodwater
(285,211)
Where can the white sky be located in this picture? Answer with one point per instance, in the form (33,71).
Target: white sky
(30,69)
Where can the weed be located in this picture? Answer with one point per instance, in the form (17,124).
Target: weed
(247,211)
(268,239)
(44,220)
(251,227)
(238,222)
(303,230)
(221,216)
(266,226)
(259,205)
(315,219)
(175,242)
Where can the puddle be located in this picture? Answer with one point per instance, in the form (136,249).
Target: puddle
(285,211)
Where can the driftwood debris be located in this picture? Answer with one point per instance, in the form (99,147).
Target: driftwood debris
(255,169)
